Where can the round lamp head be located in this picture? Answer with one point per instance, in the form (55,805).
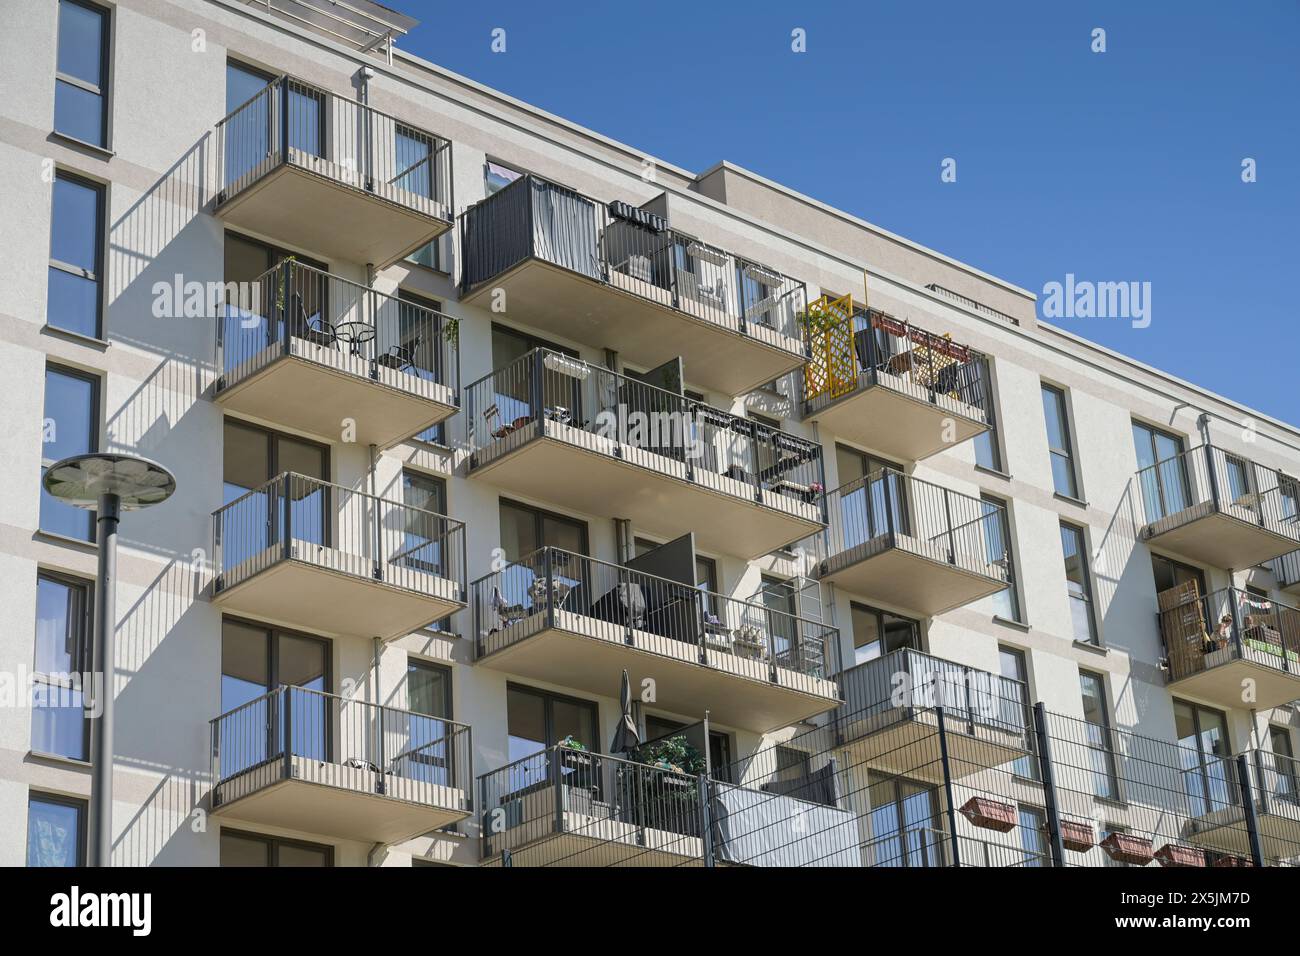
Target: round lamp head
(81,479)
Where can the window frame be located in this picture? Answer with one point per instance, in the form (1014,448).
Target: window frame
(994,433)
(879,614)
(1018,615)
(81,656)
(273,844)
(103,90)
(1062,402)
(82,806)
(438,438)
(96,438)
(1029,761)
(1089,593)
(1107,732)
(97,274)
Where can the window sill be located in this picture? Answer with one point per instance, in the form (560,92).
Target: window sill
(88,340)
(1099,649)
(52,537)
(1077,502)
(72,763)
(1008,622)
(1005,476)
(80,144)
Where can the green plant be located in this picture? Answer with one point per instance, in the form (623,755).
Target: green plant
(280,282)
(572,743)
(817,318)
(451,329)
(673,753)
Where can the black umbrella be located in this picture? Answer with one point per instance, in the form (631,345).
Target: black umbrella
(626,737)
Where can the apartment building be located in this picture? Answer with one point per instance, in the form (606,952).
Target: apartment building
(472,411)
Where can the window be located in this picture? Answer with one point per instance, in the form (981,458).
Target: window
(1284,764)
(425,546)
(71,427)
(1170,574)
(877,633)
(1097,732)
(62,662)
(74,301)
(81,77)
(905,826)
(248,136)
(1162,472)
(997,546)
(422,335)
(1205,755)
(1289,490)
(1012,665)
(873,508)
(524,529)
(536,720)
(1064,479)
(253,849)
(428,695)
(1078,584)
(497,177)
(245,333)
(1033,837)
(706,570)
(988,444)
(257,659)
(56,830)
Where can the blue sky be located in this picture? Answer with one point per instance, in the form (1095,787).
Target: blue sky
(1115,166)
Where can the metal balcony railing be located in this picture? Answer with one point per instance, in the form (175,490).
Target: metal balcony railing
(632,250)
(372,748)
(904,683)
(1287,569)
(867,347)
(660,426)
(890,509)
(339,529)
(647,612)
(1208,479)
(296,309)
(1231,625)
(290,122)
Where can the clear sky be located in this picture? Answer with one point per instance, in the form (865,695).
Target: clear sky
(1117,166)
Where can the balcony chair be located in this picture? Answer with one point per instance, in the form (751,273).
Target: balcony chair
(401,358)
(317,330)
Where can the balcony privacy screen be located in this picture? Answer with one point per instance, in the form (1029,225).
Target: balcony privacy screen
(531,217)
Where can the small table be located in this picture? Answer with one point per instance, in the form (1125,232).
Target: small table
(356,334)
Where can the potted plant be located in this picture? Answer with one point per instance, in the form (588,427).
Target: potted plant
(1175,854)
(989,814)
(573,753)
(1077,835)
(1128,848)
(1233,861)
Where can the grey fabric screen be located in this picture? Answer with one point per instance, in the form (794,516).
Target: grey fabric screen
(564,228)
(755,828)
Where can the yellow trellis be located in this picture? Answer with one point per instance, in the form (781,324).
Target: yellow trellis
(831,368)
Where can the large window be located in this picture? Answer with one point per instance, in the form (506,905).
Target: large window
(257,659)
(877,633)
(81,77)
(423,342)
(425,544)
(248,136)
(71,427)
(1012,664)
(1064,477)
(1033,837)
(253,849)
(905,826)
(74,300)
(1078,583)
(428,695)
(1205,754)
(1162,471)
(988,444)
(62,661)
(1097,731)
(535,720)
(997,546)
(1287,772)
(245,333)
(56,830)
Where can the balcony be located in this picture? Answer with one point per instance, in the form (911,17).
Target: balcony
(566,619)
(311,351)
(1218,810)
(911,544)
(890,385)
(551,427)
(620,278)
(570,807)
(316,170)
(324,764)
(1219,508)
(889,717)
(307,553)
(1218,643)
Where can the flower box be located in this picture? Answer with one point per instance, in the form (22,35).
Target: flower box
(1171,854)
(1077,835)
(1127,848)
(1231,861)
(989,814)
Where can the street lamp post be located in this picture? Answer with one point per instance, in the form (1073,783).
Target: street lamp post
(108,484)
